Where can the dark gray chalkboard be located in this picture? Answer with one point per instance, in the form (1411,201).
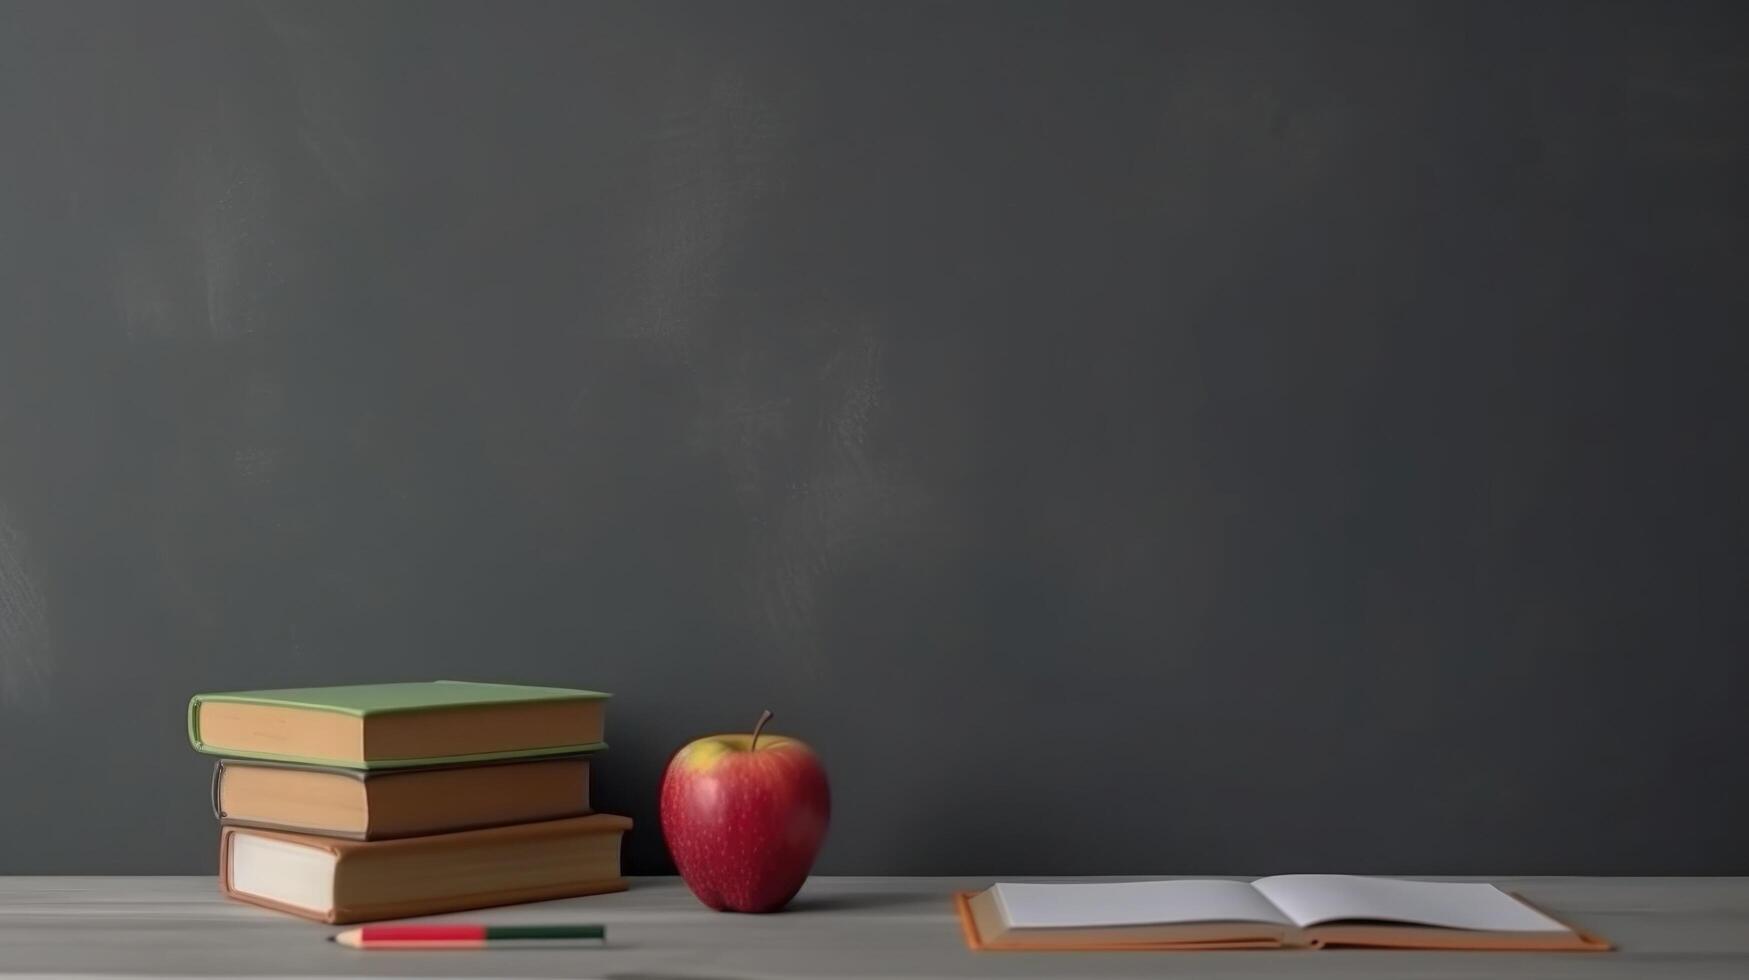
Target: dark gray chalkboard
(1122,438)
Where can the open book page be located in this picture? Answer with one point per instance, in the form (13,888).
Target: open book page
(1308,900)
(1132,903)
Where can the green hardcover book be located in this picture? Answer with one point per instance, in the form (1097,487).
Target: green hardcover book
(387,726)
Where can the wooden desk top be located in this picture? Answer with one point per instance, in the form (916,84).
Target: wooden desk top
(840,927)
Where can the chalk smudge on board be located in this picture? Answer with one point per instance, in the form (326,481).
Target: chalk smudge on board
(216,283)
(840,514)
(237,249)
(223,281)
(328,80)
(255,465)
(712,158)
(142,296)
(26,655)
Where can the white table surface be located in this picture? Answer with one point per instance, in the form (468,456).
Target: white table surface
(839,927)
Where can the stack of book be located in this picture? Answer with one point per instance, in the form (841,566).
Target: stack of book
(378,801)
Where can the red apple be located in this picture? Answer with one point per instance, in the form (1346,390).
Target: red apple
(744,816)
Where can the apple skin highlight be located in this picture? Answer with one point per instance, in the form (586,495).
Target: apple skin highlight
(744,817)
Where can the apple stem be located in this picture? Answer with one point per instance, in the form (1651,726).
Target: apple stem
(764,717)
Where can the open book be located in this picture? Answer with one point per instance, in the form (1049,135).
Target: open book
(1269,913)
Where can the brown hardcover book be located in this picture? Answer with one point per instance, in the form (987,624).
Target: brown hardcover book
(385,804)
(338,881)
(396,726)
(1287,911)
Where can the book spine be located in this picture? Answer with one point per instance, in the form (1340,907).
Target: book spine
(218,777)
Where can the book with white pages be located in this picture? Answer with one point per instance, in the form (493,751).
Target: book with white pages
(1285,911)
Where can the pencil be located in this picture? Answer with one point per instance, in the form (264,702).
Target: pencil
(445,936)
